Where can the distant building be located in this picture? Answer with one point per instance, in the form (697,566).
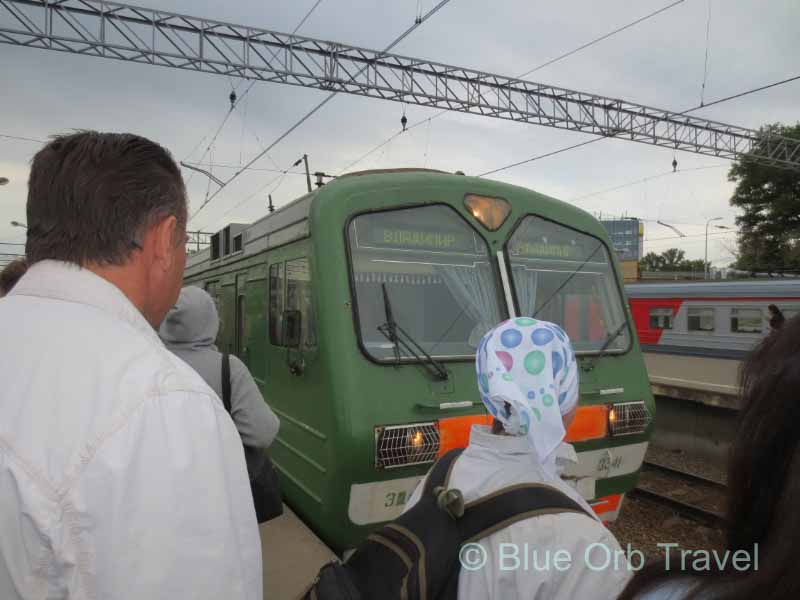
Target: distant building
(627,238)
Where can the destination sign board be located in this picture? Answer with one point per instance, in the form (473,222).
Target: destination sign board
(430,229)
(542,250)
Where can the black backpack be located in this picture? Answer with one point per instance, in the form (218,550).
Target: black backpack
(417,555)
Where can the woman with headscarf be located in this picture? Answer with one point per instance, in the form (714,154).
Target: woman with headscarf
(528,380)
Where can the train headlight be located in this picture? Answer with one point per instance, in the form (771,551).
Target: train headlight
(628,418)
(404,445)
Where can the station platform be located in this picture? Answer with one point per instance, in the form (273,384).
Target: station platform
(709,381)
(292,556)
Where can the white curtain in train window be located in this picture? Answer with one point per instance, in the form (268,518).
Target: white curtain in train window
(474,290)
(525,282)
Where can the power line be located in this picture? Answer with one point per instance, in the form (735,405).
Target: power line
(308,14)
(693,235)
(705,67)
(226,166)
(439,114)
(322,103)
(22,139)
(643,180)
(600,39)
(752,91)
(242,97)
(612,135)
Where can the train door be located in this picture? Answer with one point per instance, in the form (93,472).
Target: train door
(255,328)
(227,317)
(295,387)
(240,318)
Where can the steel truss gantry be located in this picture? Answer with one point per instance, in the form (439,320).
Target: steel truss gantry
(124,32)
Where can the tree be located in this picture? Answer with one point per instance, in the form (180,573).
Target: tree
(651,262)
(673,259)
(769,228)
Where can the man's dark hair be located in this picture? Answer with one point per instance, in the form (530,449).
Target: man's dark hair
(92,196)
(11,274)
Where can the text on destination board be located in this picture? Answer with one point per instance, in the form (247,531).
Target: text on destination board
(539,249)
(419,239)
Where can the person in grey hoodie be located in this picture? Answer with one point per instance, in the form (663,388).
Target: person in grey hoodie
(189,331)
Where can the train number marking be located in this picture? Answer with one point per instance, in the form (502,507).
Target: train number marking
(395,499)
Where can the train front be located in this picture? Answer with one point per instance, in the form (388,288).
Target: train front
(433,262)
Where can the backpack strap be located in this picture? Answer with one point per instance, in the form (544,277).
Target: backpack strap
(439,475)
(226,382)
(511,504)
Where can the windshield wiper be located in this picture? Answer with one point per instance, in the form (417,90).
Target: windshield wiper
(401,340)
(611,337)
(566,281)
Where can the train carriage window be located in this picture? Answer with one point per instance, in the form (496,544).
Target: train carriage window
(746,320)
(437,272)
(277,284)
(700,319)
(566,277)
(661,318)
(298,297)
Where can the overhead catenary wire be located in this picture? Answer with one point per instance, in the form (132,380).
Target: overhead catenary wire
(240,99)
(642,180)
(601,38)
(20,138)
(612,135)
(526,73)
(705,65)
(305,18)
(318,106)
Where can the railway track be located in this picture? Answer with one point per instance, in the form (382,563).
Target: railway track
(697,498)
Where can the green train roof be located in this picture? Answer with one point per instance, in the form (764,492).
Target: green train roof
(291,222)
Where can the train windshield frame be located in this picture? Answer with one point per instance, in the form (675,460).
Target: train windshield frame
(566,276)
(443,288)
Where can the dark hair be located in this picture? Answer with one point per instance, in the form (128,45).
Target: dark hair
(11,274)
(92,196)
(763,481)
(777,319)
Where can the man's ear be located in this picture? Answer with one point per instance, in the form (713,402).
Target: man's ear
(164,236)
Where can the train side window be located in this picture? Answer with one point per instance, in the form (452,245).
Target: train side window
(277,281)
(660,318)
(701,319)
(298,297)
(746,320)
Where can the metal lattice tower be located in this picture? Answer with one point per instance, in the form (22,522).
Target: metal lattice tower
(124,32)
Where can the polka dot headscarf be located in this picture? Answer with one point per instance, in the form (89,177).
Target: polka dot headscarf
(530,365)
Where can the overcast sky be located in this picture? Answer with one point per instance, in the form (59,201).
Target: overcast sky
(659,62)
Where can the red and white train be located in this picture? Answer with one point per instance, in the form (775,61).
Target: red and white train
(695,334)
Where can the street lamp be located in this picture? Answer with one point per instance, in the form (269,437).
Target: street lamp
(18,224)
(675,229)
(705,261)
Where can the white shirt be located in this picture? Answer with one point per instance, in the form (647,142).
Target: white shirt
(121,474)
(520,561)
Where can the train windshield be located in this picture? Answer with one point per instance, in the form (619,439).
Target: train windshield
(437,275)
(565,276)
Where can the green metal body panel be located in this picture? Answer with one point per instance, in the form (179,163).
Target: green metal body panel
(329,412)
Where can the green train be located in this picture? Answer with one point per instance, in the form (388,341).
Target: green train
(358,308)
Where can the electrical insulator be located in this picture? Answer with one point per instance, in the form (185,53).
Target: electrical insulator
(232,98)
(403,122)
(674,164)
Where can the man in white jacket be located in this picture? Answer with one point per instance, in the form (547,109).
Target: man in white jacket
(121,474)
(528,380)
